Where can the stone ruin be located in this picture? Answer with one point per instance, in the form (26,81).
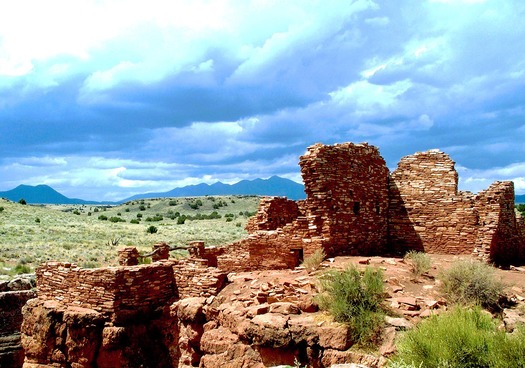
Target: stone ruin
(123,316)
(354,206)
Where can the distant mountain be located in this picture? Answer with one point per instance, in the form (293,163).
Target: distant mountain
(40,194)
(274,186)
(520,198)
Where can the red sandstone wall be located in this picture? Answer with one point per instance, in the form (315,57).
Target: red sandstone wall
(501,236)
(195,279)
(273,212)
(112,290)
(347,197)
(426,211)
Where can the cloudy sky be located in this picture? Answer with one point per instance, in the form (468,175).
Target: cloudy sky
(103,99)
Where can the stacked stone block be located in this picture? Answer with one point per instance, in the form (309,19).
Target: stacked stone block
(426,211)
(194,278)
(116,291)
(273,213)
(347,197)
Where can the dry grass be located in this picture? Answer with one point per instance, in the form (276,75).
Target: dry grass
(30,235)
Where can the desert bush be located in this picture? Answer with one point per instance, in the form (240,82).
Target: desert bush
(152,229)
(155,218)
(103,217)
(356,299)
(22,201)
(462,337)
(471,282)
(21,268)
(312,262)
(419,262)
(1,208)
(134,221)
(181,220)
(142,208)
(116,219)
(37,220)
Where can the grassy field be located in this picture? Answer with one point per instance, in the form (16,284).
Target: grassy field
(83,234)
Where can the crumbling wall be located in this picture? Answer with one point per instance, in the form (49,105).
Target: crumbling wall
(194,278)
(345,212)
(347,197)
(273,212)
(264,250)
(501,237)
(427,213)
(116,291)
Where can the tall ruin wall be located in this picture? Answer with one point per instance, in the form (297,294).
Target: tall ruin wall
(501,236)
(428,213)
(347,197)
(354,206)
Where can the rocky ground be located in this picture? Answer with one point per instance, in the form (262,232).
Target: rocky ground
(270,316)
(260,319)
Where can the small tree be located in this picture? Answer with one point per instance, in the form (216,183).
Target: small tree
(22,201)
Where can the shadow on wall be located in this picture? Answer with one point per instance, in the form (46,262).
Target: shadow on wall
(402,234)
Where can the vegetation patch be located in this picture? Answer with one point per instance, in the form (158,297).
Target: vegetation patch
(312,262)
(356,299)
(470,282)
(419,263)
(73,233)
(462,337)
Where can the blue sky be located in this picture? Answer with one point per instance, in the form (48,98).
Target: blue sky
(105,99)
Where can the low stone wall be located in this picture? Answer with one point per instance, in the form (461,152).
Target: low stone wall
(111,290)
(194,278)
(273,212)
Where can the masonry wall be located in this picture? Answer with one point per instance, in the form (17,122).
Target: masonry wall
(194,278)
(501,235)
(427,213)
(347,197)
(117,291)
(273,212)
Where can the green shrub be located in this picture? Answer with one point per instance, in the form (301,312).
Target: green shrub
(142,208)
(134,221)
(419,262)
(356,299)
(76,212)
(471,282)
(103,217)
(312,262)
(22,201)
(181,220)
(461,337)
(157,217)
(37,220)
(173,203)
(152,229)
(1,208)
(21,268)
(116,219)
